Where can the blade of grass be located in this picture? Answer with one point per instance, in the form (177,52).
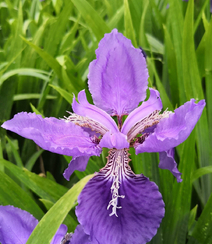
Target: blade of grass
(129,30)
(56,214)
(13,194)
(92,18)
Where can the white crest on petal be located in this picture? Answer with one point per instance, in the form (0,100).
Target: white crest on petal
(117,164)
(87,123)
(149,121)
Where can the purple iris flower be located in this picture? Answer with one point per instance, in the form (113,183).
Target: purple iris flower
(16,225)
(116,206)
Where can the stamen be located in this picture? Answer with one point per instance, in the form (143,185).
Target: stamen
(149,121)
(87,123)
(67,238)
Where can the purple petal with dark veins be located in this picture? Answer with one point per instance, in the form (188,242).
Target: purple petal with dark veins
(78,163)
(54,135)
(16,225)
(79,237)
(115,140)
(142,207)
(167,162)
(84,108)
(153,103)
(173,130)
(118,77)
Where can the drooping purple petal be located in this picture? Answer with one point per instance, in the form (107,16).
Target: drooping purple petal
(167,162)
(79,237)
(78,163)
(118,77)
(115,186)
(115,140)
(173,130)
(84,108)
(54,135)
(61,232)
(16,225)
(153,103)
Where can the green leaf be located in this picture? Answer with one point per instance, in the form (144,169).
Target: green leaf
(203,229)
(69,221)
(52,62)
(113,22)
(31,96)
(43,75)
(200,172)
(197,22)
(94,21)
(129,30)
(156,45)
(192,82)
(13,194)
(172,68)
(15,153)
(193,88)
(160,87)
(30,163)
(36,111)
(43,187)
(64,94)
(178,206)
(56,214)
(175,20)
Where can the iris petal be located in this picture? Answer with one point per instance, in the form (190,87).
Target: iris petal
(54,135)
(86,109)
(16,225)
(118,77)
(153,103)
(78,163)
(173,130)
(79,237)
(167,162)
(142,207)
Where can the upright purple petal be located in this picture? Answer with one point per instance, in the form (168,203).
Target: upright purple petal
(78,163)
(173,130)
(61,232)
(119,207)
(16,225)
(167,162)
(54,135)
(86,109)
(118,77)
(79,236)
(153,103)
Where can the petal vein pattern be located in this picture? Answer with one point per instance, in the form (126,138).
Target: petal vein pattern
(142,208)
(52,134)
(154,103)
(118,77)
(84,108)
(174,129)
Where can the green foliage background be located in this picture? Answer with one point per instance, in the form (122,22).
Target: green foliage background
(45,50)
